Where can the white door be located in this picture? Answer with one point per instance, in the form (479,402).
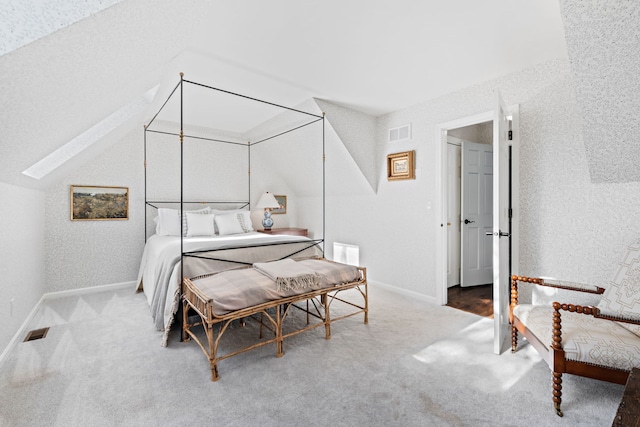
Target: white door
(477,214)
(501,234)
(453,212)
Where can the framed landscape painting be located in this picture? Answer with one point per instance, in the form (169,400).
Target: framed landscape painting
(99,203)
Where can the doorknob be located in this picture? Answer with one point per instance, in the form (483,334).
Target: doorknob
(498,233)
(466,221)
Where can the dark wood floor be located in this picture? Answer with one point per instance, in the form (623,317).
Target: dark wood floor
(474,299)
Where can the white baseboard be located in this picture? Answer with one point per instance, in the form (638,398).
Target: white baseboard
(411,294)
(60,294)
(90,290)
(21,331)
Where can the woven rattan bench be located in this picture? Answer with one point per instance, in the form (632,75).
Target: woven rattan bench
(211,315)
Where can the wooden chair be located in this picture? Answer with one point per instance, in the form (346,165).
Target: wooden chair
(596,337)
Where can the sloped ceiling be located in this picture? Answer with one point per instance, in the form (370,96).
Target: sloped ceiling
(603,39)
(33,21)
(297,155)
(357,131)
(374,57)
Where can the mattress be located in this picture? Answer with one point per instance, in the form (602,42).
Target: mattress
(160,266)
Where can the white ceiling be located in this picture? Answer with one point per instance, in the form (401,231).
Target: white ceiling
(373,56)
(379,56)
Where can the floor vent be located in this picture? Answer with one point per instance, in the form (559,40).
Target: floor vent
(36,334)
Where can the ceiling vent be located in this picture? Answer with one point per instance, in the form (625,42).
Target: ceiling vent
(400,133)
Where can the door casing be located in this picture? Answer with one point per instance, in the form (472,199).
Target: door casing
(442,191)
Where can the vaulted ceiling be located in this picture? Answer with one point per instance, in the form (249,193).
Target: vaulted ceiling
(99,58)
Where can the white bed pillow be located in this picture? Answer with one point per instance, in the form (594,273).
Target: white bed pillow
(169,221)
(228,224)
(185,226)
(199,224)
(244,217)
(245,221)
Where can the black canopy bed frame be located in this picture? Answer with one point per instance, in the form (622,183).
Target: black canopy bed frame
(271,312)
(242,203)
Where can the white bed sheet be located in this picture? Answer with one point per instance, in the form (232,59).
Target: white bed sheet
(159,273)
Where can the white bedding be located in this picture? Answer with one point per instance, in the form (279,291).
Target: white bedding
(159,274)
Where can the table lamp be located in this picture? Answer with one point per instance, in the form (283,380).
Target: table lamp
(267,202)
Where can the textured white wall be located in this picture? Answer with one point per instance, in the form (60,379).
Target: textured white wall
(571,228)
(89,253)
(603,41)
(22,259)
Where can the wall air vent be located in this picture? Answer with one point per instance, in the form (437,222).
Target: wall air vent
(36,334)
(400,133)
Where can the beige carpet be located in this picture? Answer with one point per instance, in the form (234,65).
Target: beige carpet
(415,364)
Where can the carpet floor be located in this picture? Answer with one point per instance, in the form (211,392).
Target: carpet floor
(414,364)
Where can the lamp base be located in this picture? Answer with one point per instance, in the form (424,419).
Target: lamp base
(267,222)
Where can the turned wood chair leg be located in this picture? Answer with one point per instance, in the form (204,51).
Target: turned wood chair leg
(557,392)
(514,339)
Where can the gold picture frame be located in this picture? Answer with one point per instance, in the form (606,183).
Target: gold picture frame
(95,203)
(282,201)
(401,165)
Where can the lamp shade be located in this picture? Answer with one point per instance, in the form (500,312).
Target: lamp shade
(267,200)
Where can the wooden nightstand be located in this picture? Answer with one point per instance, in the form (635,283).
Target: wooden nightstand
(293,231)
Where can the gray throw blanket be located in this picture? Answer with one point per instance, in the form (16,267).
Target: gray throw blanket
(288,274)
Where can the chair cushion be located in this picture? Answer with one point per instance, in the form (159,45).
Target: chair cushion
(584,338)
(622,296)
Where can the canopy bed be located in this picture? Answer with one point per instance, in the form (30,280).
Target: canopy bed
(201,252)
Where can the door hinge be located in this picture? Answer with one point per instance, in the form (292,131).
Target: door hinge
(510,135)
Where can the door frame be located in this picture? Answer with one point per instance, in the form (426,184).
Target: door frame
(442,191)
(457,142)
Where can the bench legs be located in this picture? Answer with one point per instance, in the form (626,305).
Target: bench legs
(213,350)
(327,316)
(279,339)
(215,328)
(514,338)
(214,372)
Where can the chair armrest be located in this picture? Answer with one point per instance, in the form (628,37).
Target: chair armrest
(588,310)
(572,286)
(579,287)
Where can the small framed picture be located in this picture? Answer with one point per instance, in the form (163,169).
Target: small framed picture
(401,165)
(282,201)
(99,203)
